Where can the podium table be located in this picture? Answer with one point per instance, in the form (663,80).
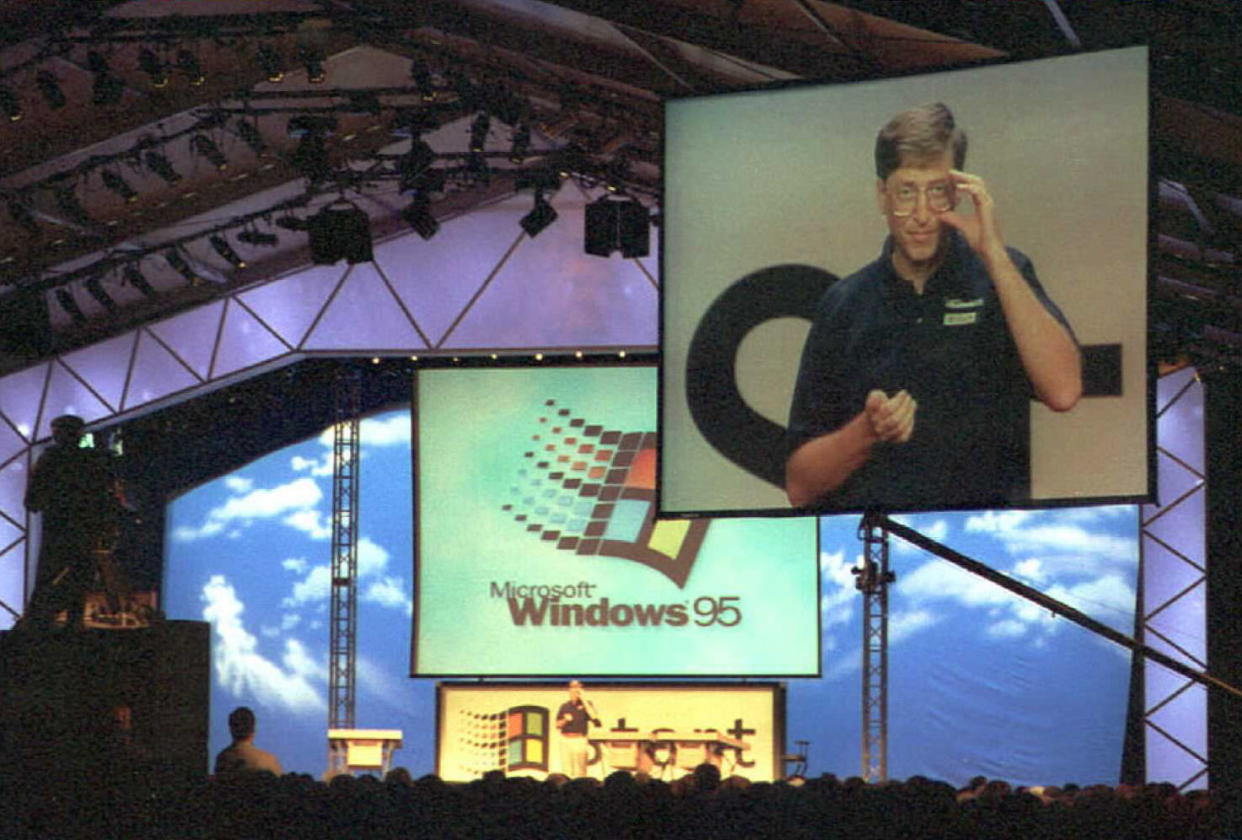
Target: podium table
(656,751)
(350,750)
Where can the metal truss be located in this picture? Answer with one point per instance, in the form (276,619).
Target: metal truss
(343,641)
(872,578)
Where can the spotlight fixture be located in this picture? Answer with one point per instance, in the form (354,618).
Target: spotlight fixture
(187,62)
(418,216)
(249,133)
(65,298)
(49,86)
(363,102)
(420,73)
(106,88)
(153,66)
(521,144)
(9,105)
(339,231)
(311,155)
(540,216)
(224,249)
(94,286)
(269,60)
(291,223)
(174,259)
(257,237)
(67,202)
(119,185)
(21,214)
(312,59)
(132,275)
(160,165)
(414,163)
(204,146)
(478,132)
(614,177)
(617,225)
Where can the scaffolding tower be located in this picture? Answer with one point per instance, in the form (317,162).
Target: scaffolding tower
(342,645)
(872,578)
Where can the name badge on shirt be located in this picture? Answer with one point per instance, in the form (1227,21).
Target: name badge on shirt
(957,319)
(958,303)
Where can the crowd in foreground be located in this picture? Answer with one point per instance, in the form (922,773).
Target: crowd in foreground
(700,805)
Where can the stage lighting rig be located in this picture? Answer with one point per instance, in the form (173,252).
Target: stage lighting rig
(65,298)
(521,143)
(106,89)
(413,164)
(119,185)
(339,231)
(312,60)
(10,105)
(94,287)
(249,133)
(418,216)
(478,133)
(158,163)
(49,87)
(420,74)
(187,63)
(153,66)
(222,247)
(540,216)
(205,147)
(270,61)
(174,259)
(311,155)
(67,202)
(257,237)
(133,275)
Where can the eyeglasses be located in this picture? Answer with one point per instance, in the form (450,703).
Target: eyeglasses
(940,198)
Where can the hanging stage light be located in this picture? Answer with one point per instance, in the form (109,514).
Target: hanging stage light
(418,216)
(65,298)
(9,105)
(339,231)
(269,60)
(153,66)
(119,185)
(204,146)
(420,73)
(134,277)
(94,286)
(49,86)
(478,132)
(249,133)
(21,214)
(521,144)
(312,60)
(224,249)
(174,259)
(414,163)
(258,237)
(311,156)
(106,89)
(540,216)
(187,62)
(159,164)
(67,202)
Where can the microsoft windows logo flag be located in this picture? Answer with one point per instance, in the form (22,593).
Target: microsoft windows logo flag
(514,739)
(591,491)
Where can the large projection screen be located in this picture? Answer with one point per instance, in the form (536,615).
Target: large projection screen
(511,727)
(786,177)
(538,554)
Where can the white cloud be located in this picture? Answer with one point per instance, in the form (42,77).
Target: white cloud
(389,592)
(312,522)
(1008,628)
(264,503)
(937,530)
(838,593)
(237,484)
(316,586)
(372,558)
(997,521)
(390,430)
(289,620)
(244,672)
(295,564)
(905,624)
(320,467)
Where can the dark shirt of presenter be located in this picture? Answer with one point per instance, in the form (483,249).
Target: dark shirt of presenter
(915,380)
(572,719)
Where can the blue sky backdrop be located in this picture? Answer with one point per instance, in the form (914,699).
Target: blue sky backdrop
(980,681)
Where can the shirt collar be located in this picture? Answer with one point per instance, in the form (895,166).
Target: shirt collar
(945,281)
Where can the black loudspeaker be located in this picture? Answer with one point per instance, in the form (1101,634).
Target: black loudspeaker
(613,225)
(59,692)
(339,232)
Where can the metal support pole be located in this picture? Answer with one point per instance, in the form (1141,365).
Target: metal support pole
(872,578)
(343,635)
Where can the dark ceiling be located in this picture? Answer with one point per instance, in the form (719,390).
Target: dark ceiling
(143,81)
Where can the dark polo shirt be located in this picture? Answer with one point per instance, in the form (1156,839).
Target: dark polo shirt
(950,348)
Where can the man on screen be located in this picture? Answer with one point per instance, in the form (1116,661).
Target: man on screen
(572,719)
(916,376)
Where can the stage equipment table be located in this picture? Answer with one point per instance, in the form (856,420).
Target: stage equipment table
(655,752)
